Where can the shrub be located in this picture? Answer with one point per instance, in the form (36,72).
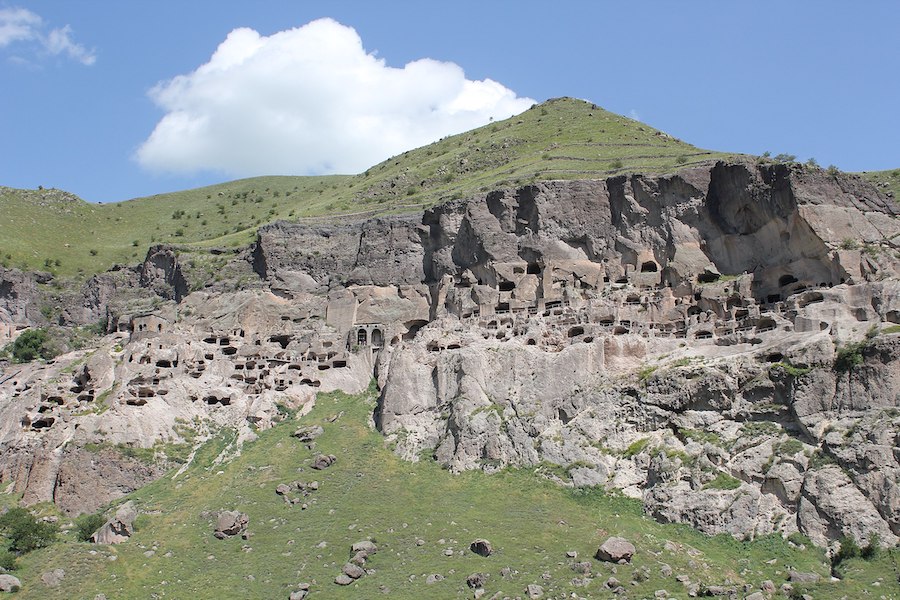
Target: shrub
(25,532)
(636,447)
(86,525)
(849,356)
(7,561)
(31,345)
(723,481)
(832,171)
(785,158)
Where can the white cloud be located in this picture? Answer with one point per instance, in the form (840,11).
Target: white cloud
(19,25)
(16,25)
(311,100)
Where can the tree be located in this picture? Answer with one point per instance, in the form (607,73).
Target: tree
(31,345)
(25,532)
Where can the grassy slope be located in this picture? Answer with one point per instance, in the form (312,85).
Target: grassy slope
(559,139)
(370,493)
(885,180)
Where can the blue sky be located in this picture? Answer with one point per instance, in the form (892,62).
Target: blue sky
(85,86)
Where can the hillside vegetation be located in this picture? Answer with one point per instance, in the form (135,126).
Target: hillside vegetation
(54,231)
(886,181)
(415,513)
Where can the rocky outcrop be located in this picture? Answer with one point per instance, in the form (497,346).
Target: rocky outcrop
(682,338)
(119,528)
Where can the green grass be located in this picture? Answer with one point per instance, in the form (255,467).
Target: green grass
(885,180)
(370,493)
(559,139)
(723,481)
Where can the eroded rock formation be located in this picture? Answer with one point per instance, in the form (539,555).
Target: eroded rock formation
(716,342)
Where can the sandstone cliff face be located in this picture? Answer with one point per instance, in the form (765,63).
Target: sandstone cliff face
(673,337)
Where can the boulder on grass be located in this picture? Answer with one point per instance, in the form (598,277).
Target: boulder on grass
(481,547)
(615,550)
(119,528)
(231,522)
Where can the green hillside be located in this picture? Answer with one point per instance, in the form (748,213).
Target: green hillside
(886,181)
(414,512)
(559,139)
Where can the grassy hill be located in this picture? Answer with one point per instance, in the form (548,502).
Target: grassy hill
(414,512)
(886,181)
(559,139)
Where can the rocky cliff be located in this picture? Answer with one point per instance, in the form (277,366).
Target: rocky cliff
(718,342)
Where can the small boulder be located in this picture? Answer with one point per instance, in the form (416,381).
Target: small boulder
(534,591)
(476,580)
(323,461)
(481,547)
(8,583)
(119,528)
(282,488)
(308,433)
(583,568)
(343,579)
(352,571)
(799,577)
(231,522)
(434,578)
(53,578)
(615,549)
(364,546)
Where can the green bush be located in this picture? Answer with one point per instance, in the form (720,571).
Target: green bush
(7,561)
(31,345)
(723,481)
(636,447)
(849,356)
(86,525)
(25,532)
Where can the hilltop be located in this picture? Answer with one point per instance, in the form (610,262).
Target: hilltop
(55,231)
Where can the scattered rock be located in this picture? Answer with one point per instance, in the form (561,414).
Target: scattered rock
(119,528)
(53,578)
(8,583)
(282,488)
(583,567)
(476,580)
(615,549)
(343,579)
(572,554)
(352,571)
(308,433)
(434,578)
(534,591)
(323,461)
(364,546)
(755,596)
(481,547)
(231,522)
(800,577)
